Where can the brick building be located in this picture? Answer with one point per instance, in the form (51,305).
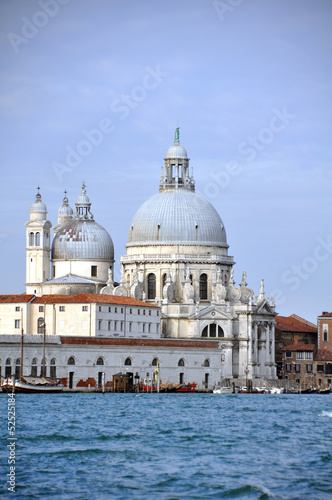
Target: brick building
(287,330)
(298,364)
(323,358)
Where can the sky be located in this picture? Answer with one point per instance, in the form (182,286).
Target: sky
(93,91)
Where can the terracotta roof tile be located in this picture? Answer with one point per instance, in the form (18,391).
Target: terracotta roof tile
(323,355)
(294,323)
(325,315)
(15,299)
(88,298)
(203,344)
(298,347)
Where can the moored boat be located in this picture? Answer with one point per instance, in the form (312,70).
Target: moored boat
(186,388)
(255,390)
(225,390)
(31,384)
(324,391)
(276,390)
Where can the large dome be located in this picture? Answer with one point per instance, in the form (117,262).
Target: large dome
(82,239)
(173,217)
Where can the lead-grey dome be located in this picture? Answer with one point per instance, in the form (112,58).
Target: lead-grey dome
(173,217)
(38,210)
(82,239)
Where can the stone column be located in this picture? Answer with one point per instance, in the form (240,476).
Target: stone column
(254,348)
(228,364)
(250,334)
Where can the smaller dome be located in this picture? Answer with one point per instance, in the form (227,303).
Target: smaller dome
(82,239)
(38,205)
(176,151)
(38,209)
(65,210)
(83,199)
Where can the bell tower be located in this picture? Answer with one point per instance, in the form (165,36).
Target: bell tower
(37,247)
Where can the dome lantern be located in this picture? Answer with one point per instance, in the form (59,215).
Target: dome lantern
(83,205)
(176,168)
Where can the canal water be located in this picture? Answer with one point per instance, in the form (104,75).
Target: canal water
(168,446)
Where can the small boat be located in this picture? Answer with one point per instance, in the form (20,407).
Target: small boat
(255,390)
(32,384)
(324,391)
(186,388)
(224,390)
(276,390)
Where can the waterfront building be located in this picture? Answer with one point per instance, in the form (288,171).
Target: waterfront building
(286,329)
(304,351)
(323,357)
(297,364)
(325,331)
(209,330)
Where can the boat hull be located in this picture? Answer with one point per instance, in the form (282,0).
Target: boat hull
(45,386)
(223,390)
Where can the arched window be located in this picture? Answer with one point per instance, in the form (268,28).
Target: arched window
(220,332)
(8,368)
(207,362)
(18,368)
(151,286)
(128,362)
(100,361)
(40,325)
(37,239)
(53,368)
(203,287)
(212,330)
(71,360)
(181,362)
(155,361)
(31,239)
(34,367)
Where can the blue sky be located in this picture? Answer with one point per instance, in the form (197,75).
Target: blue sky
(249,84)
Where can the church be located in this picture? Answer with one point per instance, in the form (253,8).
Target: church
(180,305)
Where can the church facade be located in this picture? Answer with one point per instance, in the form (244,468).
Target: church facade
(176,260)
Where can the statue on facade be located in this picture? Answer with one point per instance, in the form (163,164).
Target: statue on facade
(261,292)
(188,289)
(168,288)
(220,291)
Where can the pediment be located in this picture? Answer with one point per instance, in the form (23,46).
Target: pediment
(212,313)
(265,308)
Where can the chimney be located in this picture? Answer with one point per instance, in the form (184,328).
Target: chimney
(296,339)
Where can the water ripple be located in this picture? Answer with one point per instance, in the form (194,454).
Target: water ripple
(172,446)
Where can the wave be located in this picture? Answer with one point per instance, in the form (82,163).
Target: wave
(326,414)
